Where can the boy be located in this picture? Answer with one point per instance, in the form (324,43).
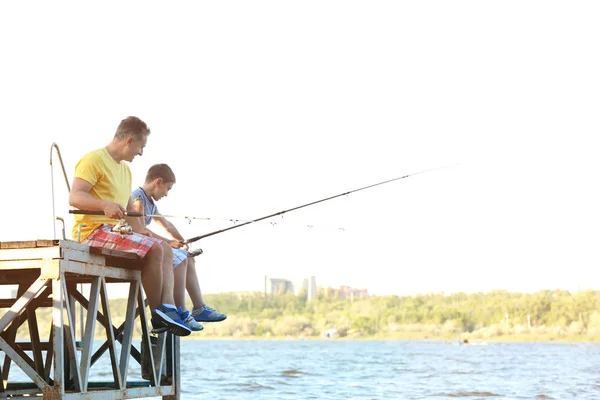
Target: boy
(103,183)
(159,181)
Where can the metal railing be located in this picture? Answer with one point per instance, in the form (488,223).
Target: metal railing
(54,217)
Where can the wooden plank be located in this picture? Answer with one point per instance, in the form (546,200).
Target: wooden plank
(130,393)
(83,268)
(113,253)
(20,264)
(7,303)
(18,276)
(47,242)
(36,253)
(24,244)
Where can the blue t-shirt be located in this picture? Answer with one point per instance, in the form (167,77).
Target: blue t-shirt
(149,206)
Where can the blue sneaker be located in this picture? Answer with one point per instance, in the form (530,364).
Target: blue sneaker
(171,320)
(189,320)
(157,325)
(207,314)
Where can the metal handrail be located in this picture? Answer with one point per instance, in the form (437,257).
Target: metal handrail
(54,217)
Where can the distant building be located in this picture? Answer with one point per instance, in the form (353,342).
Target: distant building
(349,293)
(277,286)
(310,287)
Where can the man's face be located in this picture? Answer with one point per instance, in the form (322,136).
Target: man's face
(134,147)
(162,189)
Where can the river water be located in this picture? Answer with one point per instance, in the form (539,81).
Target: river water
(289,369)
(340,369)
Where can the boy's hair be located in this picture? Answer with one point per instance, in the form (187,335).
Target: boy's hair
(160,171)
(132,126)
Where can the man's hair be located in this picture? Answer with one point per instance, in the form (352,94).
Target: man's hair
(132,126)
(160,171)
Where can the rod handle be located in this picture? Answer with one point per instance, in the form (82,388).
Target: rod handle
(88,212)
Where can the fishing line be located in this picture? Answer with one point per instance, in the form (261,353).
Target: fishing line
(196,238)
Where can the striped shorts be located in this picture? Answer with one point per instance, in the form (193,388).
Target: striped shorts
(132,243)
(179,255)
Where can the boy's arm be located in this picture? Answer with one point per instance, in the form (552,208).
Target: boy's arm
(137,223)
(169,227)
(139,226)
(81,198)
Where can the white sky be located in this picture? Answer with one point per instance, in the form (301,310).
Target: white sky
(266,105)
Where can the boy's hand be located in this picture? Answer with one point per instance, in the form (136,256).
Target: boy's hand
(175,244)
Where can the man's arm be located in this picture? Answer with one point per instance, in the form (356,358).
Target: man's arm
(81,198)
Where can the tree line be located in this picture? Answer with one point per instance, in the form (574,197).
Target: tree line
(543,315)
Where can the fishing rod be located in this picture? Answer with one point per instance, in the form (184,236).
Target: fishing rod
(196,238)
(127,228)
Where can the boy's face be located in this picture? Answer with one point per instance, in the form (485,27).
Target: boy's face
(161,189)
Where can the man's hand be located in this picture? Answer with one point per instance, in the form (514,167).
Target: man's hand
(114,211)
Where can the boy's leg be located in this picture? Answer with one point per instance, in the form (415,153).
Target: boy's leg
(193,285)
(180,263)
(201,312)
(180,273)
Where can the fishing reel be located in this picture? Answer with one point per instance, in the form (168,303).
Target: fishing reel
(122,227)
(195,253)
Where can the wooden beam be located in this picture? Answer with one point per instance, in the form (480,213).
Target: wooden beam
(110,335)
(128,331)
(36,347)
(70,339)
(90,327)
(57,327)
(23,364)
(19,306)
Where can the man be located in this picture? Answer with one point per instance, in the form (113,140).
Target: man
(103,183)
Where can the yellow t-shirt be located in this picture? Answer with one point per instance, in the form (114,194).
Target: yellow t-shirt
(110,181)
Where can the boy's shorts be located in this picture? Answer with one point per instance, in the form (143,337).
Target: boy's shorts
(179,255)
(132,243)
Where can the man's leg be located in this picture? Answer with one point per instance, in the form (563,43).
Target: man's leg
(167,274)
(152,275)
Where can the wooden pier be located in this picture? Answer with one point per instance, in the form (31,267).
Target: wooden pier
(48,273)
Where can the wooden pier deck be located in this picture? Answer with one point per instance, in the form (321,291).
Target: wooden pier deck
(47,274)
